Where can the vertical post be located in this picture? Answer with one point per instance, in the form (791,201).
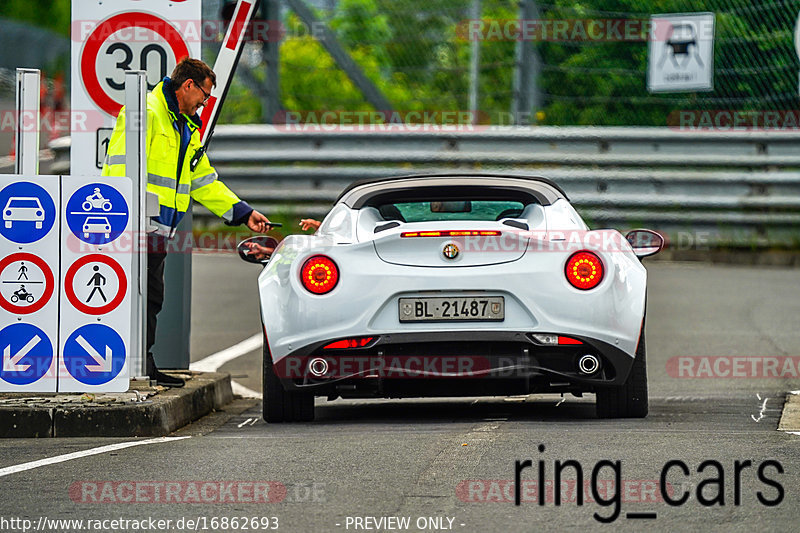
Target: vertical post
(474,64)
(173,334)
(136,168)
(27,143)
(273,104)
(526,71)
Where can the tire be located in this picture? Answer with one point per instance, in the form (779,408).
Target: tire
(14,298)
(630,399)
(29,299)
(280,405)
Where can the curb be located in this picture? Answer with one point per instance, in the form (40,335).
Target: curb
(160,414)
(790,418)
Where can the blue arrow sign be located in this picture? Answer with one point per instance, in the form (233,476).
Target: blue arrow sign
(94,354)
(97,213)
(26,353)
(28,212)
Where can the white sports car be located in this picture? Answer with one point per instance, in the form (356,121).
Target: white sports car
(453,285)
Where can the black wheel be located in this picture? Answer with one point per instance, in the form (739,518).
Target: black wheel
(630,399)
(281,405)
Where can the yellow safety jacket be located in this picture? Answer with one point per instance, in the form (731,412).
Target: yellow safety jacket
(169,153)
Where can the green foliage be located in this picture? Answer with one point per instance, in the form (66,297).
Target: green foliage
(416,53)
(241,106)
(755,66)
(51,14)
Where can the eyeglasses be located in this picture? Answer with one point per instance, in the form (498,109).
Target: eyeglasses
(207,95)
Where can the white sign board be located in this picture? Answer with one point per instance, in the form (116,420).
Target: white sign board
(97,246)
(29,241)
(680,54)
(109,38)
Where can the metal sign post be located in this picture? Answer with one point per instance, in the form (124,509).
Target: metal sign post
(27,147)
(136,169)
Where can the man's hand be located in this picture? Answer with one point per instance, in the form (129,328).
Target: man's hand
(308,223)
(258,222)
(258,251)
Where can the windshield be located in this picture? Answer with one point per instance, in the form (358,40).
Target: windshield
(451,210)
(23,202)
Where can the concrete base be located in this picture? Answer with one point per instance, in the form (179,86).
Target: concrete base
(145,411)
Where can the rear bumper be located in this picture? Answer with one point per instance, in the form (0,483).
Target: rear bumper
(461,363)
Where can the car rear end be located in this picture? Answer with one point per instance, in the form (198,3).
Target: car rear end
(450,303)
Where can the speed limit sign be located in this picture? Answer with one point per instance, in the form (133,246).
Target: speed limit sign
(155,45)
(110,38)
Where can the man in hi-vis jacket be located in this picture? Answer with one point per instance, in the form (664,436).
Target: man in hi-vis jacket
(173,139)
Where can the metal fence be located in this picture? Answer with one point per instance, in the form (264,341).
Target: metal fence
(739,188)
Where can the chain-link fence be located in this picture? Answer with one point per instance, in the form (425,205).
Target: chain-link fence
(435,56)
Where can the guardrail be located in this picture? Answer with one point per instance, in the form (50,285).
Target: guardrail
(705,187)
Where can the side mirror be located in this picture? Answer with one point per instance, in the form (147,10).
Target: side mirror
(257,249)
(645,242)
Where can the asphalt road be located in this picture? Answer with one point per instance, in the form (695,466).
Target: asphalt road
(448,464)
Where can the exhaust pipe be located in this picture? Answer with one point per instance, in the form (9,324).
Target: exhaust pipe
(588,364)
(318,367)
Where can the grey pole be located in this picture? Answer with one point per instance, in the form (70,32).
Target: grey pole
(171,350)
(273,100)
(526,71)
(474,64)
(136,169)
(27,143)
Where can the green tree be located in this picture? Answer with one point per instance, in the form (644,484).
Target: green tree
(51,14)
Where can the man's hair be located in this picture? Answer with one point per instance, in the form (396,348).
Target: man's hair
(192,69)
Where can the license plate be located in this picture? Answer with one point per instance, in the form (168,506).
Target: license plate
(491,308)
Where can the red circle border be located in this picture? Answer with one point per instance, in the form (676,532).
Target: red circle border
(93,43)
(49,283)
(70,291)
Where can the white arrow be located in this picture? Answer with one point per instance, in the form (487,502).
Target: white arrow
(103,364)
(10,362)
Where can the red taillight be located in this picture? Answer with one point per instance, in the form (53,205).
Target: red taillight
(348,343)
(568,340)
(584,270)
(319,274)
(451,233)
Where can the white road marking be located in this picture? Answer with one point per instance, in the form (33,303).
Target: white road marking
(214,361)
(763,408)
(244,423)
(85,453)
(244,392)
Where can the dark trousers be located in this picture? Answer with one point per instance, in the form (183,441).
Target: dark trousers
(156,255)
